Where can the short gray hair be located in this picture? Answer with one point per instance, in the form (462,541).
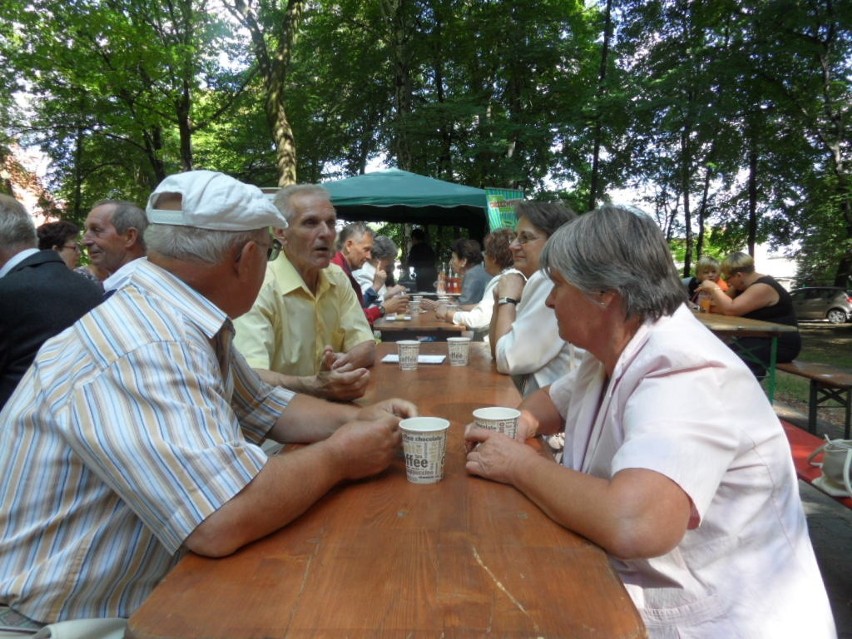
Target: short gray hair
(190,244)
(284,198)
(618,249)
(127,215)
(384,248)
(16,226)
(353,230)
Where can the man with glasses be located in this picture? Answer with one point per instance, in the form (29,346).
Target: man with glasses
(307,330)
(135,438)
(39,295)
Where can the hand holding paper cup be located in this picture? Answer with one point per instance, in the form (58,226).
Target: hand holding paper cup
(503,420)
(424,443)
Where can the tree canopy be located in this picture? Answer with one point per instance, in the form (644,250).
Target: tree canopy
(724,116)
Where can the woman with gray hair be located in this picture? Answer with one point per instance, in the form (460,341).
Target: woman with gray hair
(674,462)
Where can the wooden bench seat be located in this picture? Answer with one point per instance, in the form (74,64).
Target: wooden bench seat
(827,383)
(802,444)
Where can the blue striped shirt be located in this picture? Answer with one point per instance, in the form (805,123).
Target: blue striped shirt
(120,440)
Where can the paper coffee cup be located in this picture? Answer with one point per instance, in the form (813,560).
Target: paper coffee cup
(459,350)
(503,420)
(409,350)
(424,443)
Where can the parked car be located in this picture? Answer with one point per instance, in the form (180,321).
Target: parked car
(823,302)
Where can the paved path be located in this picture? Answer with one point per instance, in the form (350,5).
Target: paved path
(830,526)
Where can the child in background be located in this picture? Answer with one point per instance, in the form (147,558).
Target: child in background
(707,269)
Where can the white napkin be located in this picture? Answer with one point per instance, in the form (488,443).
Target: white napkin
(421,359)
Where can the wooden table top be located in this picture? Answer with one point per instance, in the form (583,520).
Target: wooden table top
(733,325)
(464,557)
(425,321)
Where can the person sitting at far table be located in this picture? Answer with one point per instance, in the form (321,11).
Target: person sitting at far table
(498,262)
(375,277)
(134,438)
(760,297)
(354,249)
(467,260)
(307,331)
(675,462)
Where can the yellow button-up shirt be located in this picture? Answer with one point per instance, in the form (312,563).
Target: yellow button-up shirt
(288,326)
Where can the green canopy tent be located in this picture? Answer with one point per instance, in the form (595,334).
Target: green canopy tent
(407,198)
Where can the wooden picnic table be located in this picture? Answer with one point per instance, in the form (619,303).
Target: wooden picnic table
(462,558)
(728,327)
(413,326)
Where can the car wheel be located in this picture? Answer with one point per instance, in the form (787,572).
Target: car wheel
(836,316)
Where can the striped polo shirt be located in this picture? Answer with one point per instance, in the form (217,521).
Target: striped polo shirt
(120,440)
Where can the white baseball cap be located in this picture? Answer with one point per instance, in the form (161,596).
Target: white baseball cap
(214,201)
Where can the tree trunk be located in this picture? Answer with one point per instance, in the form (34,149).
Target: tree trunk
(185,127)
(273,66)
(77,204)
(685,162)
(153,144)
(396,14)
(703,211)
(752,193)
(601,91)
(282,133)
(843,276)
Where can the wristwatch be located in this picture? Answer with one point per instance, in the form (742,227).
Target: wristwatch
(507,300)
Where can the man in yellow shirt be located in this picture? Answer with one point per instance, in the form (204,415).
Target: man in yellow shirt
(307,331)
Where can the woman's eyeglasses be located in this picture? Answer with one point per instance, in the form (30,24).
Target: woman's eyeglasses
(73,247)
(524,238)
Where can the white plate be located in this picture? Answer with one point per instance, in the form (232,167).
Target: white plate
(830,487)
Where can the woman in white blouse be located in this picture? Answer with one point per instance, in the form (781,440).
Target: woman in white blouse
(524,338)
(675,462)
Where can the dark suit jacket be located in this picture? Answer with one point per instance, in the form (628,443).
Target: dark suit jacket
(39,298)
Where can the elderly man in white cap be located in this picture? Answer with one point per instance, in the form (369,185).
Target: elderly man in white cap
(135,436)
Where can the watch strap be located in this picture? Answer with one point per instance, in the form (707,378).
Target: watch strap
(507,300)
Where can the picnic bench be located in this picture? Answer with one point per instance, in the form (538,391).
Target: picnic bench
(802,444)
(827,384)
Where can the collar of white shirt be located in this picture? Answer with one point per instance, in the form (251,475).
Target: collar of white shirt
(16,259)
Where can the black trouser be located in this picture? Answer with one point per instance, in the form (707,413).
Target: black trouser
(756,351)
